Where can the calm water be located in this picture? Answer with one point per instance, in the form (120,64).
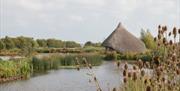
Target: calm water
(69,80)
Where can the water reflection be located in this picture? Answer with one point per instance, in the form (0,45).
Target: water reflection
(68,80)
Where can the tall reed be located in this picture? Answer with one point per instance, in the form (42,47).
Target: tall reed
(65,61)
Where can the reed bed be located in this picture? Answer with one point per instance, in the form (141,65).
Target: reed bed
(63,61)
(15,69)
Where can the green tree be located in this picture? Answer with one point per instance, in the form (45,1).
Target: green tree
(53,43)
(42,42)
(26,44)
(9,42)
(89,43)
(148,39)
(2,45)
(71,44)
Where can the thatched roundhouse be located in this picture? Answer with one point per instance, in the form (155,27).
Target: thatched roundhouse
(122,41)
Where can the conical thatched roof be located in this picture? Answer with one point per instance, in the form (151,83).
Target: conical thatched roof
(123,41)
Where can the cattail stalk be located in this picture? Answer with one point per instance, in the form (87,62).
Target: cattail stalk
(93,75)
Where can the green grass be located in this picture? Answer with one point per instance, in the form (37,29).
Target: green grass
(90,49)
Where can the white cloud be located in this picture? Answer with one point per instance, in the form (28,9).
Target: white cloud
(76,18)
(31,4)
(92,3)
(84,16)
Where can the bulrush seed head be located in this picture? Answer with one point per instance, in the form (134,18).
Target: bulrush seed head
(148,88)
(169,34)
(125,73)
(125,66)
(118,64)
(145,81)
(173,58)
(95,79)
(129,74)
(134,67)
(165,28)
(134,76)
(157,60)
(178,71)
(159,27)
(114,89)
(155,39)
(174,31)
(164,40)
(170,42)
(125,80)
(163,79)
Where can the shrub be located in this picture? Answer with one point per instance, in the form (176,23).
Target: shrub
(111,56)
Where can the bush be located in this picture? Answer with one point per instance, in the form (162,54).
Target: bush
(127,56)
(111,56)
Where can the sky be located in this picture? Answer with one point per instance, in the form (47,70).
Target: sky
(84,20)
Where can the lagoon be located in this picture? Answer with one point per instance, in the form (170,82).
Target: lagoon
(69,80)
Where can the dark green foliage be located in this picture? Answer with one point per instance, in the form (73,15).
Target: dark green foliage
(53,43)
(127,56)
(28,45)
(9,42)
(89,43)
(42,43)
(148,39)
(2,45)
(111,56)
(71,44)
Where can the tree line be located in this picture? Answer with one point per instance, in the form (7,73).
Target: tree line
(30,43)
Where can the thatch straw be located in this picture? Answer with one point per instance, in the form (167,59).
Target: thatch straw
(123,41)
